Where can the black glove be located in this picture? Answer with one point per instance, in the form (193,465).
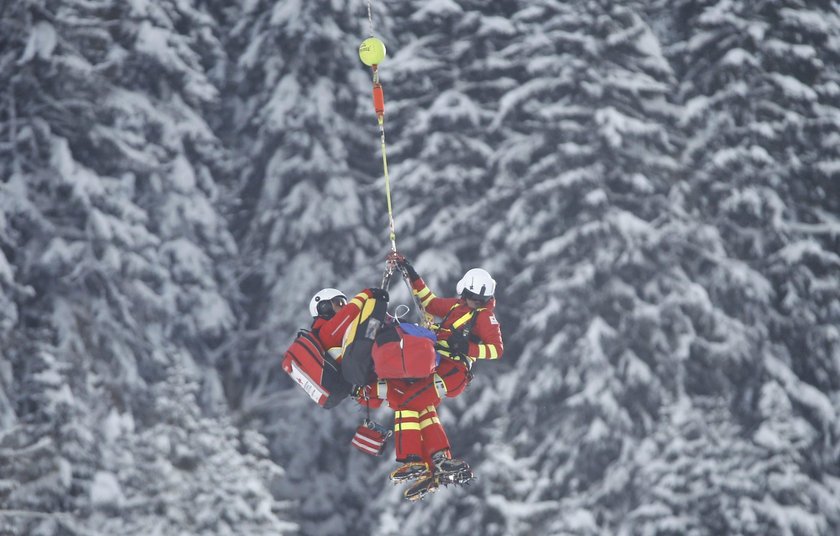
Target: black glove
(380,294)
(400,260)
(458,343)
(409,269)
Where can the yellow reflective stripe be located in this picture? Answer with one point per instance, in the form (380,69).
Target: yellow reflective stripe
(367,310)
(406,414)
(429,422)
(349,336)
(428,300)
(461,321)
(357,302)
(399,427)
(487,351)
(422,293)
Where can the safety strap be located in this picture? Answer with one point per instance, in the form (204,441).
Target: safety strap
(312,336)
(454,371)
(470,323)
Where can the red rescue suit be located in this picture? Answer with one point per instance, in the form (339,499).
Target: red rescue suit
(485,336)
(418,431)
(330,333)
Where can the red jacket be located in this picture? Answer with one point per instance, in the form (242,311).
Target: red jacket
(331,332)
(486,335)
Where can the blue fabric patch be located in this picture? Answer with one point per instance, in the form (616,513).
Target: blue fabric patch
(418,331)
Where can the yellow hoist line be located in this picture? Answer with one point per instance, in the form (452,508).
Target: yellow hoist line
(372,52)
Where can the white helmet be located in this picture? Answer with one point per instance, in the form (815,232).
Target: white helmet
(325,295)
(477,282)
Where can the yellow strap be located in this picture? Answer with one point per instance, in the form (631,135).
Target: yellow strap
(463,320)
(367,310)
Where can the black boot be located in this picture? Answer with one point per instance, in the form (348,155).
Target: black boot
(451,470)
(421,488)
(410,470)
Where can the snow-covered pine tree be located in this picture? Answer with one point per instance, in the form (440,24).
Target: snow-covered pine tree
(758,86)
(181,472)
(109,178)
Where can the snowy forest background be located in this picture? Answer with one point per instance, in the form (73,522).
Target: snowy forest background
(654,184)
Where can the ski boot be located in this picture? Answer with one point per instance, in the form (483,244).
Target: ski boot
(412,469)
(421,488)
(450,470)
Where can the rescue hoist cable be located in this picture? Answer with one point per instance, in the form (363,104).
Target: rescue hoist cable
(372,52)
(379,107)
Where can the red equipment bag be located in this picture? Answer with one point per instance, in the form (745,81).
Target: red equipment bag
(370,438)
(404,351)
(316,371)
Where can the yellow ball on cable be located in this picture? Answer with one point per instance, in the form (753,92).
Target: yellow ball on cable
(372,51)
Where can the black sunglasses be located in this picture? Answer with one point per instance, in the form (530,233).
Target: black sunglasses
(468,295)
(326,306)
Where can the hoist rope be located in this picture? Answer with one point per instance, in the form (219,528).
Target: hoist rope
(379,108)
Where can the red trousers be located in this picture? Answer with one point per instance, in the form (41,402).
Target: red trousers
(417,428)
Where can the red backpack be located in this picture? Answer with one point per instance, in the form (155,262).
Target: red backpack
(316,371)
(404,351)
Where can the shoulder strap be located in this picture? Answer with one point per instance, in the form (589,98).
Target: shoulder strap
(467,327)
(471,322)
(446,317)
(312,336)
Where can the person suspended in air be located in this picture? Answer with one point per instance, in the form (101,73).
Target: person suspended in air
(333,315)
(421,445)
(314,358)
(467,331)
